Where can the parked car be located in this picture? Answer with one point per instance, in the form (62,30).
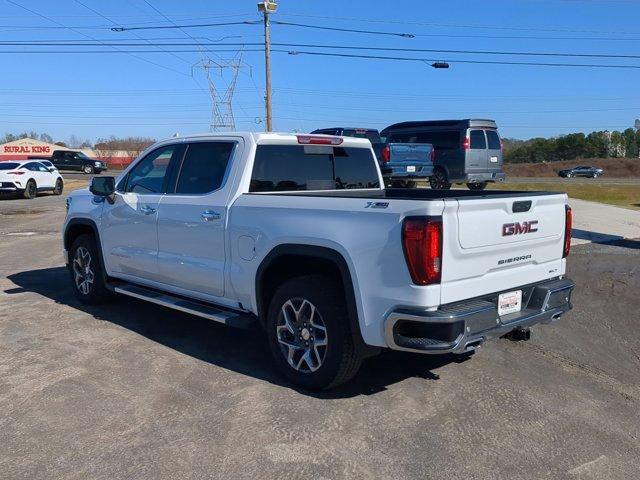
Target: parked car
(467,151)
(295,234)
(74,160)
(28,177)
(402,164)
(582,171)
(405,163)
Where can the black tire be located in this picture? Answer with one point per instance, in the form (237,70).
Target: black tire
(95,291)
(477,186)
(403,184)
(88,169)
(338,361)
(30,190)
(57,190)
(439,181)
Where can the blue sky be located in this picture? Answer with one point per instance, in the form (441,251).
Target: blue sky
(154,93)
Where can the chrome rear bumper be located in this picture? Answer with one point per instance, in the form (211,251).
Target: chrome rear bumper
(461,327)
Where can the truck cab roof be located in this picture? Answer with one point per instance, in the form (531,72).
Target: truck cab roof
(273,138)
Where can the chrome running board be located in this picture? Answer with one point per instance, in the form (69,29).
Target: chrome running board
(204,310)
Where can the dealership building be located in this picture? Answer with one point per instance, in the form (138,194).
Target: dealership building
(28,147)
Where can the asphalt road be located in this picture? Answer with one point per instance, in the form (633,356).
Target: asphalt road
(132,390)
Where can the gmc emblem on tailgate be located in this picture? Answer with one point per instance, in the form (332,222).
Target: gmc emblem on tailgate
(519,228)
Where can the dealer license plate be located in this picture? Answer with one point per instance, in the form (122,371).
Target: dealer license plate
(509,302)
(411,168)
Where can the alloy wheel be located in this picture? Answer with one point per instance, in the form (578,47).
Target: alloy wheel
(302,335)
(82,271)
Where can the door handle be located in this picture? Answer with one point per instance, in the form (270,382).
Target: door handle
(210,215)
(147,210)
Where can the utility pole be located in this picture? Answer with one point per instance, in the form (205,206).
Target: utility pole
(266,7)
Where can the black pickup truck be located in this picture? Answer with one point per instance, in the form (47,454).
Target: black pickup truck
(74,160)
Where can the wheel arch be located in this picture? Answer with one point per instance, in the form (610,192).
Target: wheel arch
(80,226)
(286,261)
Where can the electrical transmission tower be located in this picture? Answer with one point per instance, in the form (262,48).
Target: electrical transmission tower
(221,103)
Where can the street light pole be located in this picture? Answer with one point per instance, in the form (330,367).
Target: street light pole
(267,7)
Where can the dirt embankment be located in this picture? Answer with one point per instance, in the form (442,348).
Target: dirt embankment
(613,167)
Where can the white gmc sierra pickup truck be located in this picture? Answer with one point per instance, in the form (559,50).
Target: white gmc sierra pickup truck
(294,233)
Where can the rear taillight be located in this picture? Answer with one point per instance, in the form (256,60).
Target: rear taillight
(466,143)
(386,154)
(422,244)
(568,224)
(15,173)
(433,155)
(311,140)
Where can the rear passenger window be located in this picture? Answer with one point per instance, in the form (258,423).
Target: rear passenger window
(312,167)
(204,167)
(477,140)
(493,140)
(441,140)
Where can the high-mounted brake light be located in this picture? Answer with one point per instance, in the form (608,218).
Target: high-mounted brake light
(311,140)
(568,225)
(466,143)
(422,245)
(386,154)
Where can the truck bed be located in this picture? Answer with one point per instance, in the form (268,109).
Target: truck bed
(414,194)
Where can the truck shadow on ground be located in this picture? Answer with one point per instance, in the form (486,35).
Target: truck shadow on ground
(604,238)
(241,351)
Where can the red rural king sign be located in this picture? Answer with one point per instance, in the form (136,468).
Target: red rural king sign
(26,149)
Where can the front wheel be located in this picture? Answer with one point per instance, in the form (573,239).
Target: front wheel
(309,334)
(57,190)
(86,271)
(88,169)
(439,180)
(477,186)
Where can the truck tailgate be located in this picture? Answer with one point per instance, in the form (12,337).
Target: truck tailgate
(494,244)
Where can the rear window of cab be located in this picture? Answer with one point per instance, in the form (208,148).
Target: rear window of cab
(312,167)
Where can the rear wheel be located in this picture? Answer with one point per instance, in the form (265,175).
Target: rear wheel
(86,271)
(477,186)
(31,190)
(439,180)
(57,190)
(309,334)
(88,169)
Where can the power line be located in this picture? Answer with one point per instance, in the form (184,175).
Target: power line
(465,26)
(89,36)
(485,62)
(199,25)
(349,30)
(324,46)
(115,23)
(325,54)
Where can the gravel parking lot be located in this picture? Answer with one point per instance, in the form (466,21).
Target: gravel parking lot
(132,390)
